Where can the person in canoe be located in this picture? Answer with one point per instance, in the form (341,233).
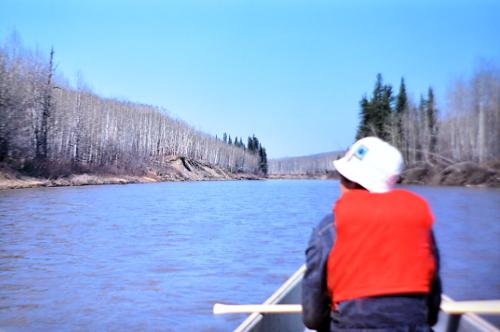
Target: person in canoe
(374,263)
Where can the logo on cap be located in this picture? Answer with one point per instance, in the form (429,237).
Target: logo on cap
(361,152)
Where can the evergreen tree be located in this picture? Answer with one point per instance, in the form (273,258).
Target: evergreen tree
(224,138)
(431,113)
(420,130)
(365,119)
(400,111)
(256,144)
(384,113)
(375,114)
(253,144)
(249,144)
(378,91)
(263,160)
(402,99)
(229,141)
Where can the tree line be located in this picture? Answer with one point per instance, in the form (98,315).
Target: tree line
(305,165)
(50,128)
(468,131)
(253,146)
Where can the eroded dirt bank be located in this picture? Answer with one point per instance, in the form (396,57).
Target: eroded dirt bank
(459,174)
(175,169)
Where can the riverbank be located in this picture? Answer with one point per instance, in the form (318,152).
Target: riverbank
(175,170)
(466,174)
(179,169)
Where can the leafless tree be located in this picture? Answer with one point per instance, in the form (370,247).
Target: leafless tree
(42,120)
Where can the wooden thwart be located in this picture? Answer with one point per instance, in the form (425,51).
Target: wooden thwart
(220,308)
(490,307)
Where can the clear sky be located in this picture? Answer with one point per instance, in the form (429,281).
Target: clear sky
(290,72)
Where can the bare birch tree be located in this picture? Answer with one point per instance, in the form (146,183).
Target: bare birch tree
(46,121)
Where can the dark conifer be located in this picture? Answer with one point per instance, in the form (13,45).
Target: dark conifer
(402,99)
(384,114)
(400,111)
(431,112)
(263,160)
(375,114)
(364,114)
(419,129)
(256,144)
(250,144)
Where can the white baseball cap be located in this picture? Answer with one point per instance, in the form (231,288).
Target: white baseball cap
(372,163)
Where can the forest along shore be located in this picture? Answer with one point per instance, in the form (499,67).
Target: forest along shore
(55,134)
(176,169)
(456,146)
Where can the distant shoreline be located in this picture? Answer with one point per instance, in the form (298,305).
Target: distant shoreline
(324,176)
(464,174)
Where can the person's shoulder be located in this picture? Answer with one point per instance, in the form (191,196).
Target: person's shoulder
(410,196)
(325,224)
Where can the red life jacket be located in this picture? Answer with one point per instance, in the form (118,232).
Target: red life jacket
(382,245)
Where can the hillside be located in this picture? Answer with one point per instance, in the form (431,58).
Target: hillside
(55,133)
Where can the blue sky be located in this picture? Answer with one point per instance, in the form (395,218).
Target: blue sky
(290,72)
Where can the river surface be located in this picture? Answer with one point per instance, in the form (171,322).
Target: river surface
(158,256)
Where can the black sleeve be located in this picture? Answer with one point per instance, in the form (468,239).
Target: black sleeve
(434,299)
(316,302)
